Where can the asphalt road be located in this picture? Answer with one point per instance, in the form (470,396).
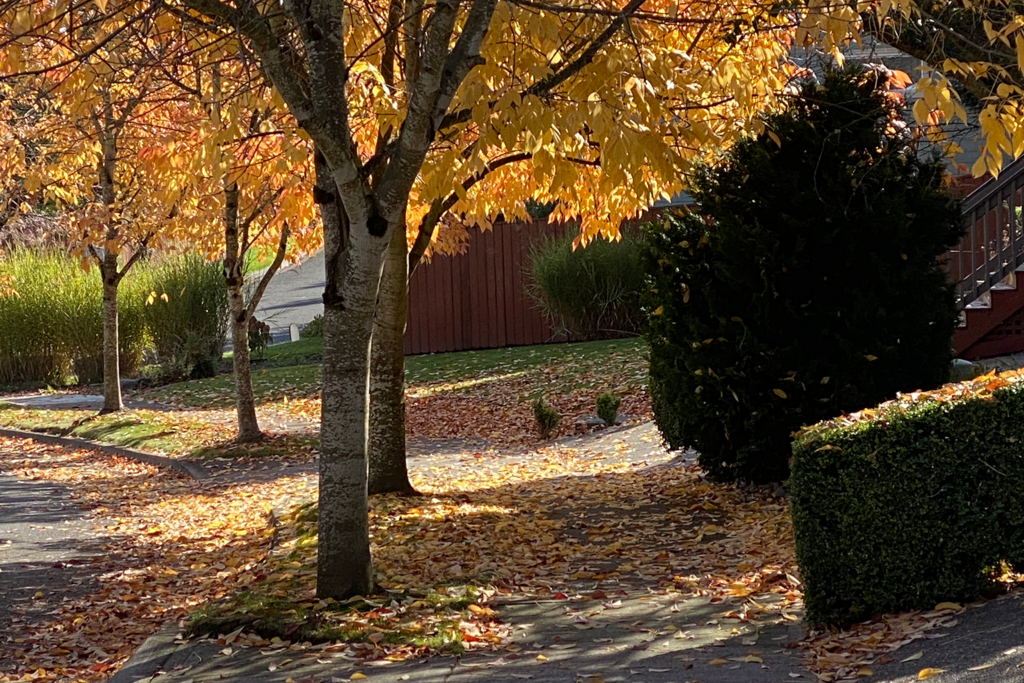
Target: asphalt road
(295,295)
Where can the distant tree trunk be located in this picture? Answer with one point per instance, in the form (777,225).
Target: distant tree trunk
(234,277)
(111,280)
(236,243)
(248,424)
(388,470)
(111,351)
(352,256)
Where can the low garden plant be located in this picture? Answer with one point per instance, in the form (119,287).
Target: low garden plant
(314,329)
(608,407)
(913,503)
(547,418)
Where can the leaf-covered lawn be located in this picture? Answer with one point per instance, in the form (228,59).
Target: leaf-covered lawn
(197,434)
(291,370)
(568,522)
(553,524)
(480,395)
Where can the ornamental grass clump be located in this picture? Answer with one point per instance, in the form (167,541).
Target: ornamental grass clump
(186,315)
(51,326)
(912,503)
(590,292)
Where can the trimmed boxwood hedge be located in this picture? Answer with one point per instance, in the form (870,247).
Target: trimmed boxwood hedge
(912,503)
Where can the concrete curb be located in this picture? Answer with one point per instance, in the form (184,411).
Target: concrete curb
(149,659)
(184,466)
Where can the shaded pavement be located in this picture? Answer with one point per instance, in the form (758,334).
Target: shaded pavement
(642,639)
(50,551)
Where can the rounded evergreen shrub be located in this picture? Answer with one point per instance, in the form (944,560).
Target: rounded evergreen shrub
(809,283)
(590,292)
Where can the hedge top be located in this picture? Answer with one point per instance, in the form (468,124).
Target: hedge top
(909,405)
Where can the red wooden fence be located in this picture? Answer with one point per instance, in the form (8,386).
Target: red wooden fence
(478,300)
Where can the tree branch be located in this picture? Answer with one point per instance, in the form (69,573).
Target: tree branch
(282,248)
(546,85)
(425,232)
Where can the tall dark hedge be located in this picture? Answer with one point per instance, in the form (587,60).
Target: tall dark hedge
(808,284)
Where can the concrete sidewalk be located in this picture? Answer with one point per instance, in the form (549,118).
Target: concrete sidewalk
(634,639)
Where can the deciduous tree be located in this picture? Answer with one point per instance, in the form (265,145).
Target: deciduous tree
(249,180)
(468,107)
(94,103)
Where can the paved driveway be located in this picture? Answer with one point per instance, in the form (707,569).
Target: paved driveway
(294,296)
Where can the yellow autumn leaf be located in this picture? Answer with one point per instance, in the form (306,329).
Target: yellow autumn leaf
(779,392)
(925,674)
(947,606)
(659,310)
(357,676)
(718,661)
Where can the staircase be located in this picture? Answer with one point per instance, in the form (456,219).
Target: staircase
(985,267)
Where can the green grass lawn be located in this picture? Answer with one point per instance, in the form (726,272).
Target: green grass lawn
(498,377)
(177,433)
(292,370)
(255,261)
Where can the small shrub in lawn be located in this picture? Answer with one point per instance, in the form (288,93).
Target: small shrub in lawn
(259,337)
(314,329)
(801,290)
(608,407)
(547,418)
(912,503)
(590,292)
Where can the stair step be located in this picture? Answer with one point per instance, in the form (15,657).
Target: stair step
(982,302)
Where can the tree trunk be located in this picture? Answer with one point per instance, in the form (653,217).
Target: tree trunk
(353,259)
(248,425)
(234,278)
(388,470)
(111,353)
